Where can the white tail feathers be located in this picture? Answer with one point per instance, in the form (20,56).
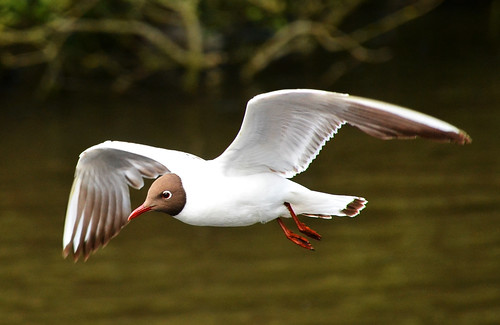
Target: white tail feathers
(323,205)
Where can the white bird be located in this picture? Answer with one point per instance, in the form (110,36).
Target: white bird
(282,132)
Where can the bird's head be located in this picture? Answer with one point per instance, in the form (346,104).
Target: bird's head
(166,194)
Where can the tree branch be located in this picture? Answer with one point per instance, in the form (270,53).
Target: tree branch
(332,39)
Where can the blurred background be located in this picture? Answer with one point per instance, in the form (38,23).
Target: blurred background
(177,74)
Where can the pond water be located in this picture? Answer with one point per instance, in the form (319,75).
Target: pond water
(426,249)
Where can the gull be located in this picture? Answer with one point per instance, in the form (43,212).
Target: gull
(282,132)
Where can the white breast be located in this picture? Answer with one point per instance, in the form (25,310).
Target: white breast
(214,199)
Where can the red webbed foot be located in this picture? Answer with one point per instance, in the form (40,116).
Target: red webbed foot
(302,226)
(297,239)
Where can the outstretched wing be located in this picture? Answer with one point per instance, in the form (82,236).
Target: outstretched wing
(283,131)
(99,203)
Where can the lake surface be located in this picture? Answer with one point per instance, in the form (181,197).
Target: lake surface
(425,251)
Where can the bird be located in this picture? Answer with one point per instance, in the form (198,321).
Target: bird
(250,182)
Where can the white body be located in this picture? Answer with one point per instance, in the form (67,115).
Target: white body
(282,132)
(214,199)
(219,200)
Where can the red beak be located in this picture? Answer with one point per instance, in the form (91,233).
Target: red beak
(137,212)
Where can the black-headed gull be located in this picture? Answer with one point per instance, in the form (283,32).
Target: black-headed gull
(282,132)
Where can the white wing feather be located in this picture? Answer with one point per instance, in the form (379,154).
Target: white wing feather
(283,131)
(99,203)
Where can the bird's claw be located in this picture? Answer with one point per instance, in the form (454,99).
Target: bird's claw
(309,232)
(302,226)
(299,240)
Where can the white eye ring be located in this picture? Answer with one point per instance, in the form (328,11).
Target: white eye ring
(166,194)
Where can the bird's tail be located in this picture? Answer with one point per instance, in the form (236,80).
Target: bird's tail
(322,205)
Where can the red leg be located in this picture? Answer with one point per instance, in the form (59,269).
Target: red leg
(302,226)
(299,240)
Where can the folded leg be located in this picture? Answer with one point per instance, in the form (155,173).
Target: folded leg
(302,226)
(299,240)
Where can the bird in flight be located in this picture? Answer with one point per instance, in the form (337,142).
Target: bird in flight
(282,132)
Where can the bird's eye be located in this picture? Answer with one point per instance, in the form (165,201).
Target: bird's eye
(166,194)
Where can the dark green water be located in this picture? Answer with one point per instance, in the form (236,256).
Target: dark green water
(425,251)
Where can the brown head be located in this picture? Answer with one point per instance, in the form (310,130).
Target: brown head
(166,194)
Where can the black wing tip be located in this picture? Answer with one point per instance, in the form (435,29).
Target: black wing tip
(65,252)
(463,138)
(88,248)
(81,251)
(355,207)
(68,250)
